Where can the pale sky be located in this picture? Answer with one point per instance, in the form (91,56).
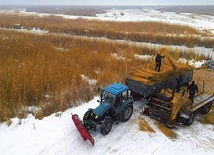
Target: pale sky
(107,2)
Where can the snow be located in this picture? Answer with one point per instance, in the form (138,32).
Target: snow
(203,22)
(90,81)
(197,64)
(145,57)
(57,134)
(117,57)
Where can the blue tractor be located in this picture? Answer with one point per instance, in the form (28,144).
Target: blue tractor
(116,105)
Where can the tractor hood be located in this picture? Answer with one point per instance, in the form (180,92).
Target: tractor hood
(101,109)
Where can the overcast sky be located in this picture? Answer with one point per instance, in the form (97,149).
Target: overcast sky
(107,2)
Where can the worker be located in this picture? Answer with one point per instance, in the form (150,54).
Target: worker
(158,62)
(192,88)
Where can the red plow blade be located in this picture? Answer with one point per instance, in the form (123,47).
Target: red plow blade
(82,130)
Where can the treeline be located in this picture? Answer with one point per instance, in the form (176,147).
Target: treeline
(152,32)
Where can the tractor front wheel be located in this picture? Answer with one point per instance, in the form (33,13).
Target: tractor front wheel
(106,126)
(86,117)
(126,113)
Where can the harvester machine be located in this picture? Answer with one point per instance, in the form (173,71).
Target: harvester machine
(179,109)
(168,102)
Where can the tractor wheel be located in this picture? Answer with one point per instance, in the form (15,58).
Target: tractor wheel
(190,120)
(87,116)
(126,113)
(206,109)
(106,126)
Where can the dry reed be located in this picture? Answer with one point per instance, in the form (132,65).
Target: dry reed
(166,131)
(135,31)
(34,72)
(169,69)
(45,70)
(144,126)
(209,118)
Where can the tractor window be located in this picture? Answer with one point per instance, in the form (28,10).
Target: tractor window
(125,95)
(108,97)
(122,97)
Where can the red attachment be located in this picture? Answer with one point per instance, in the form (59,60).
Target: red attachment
(82,130)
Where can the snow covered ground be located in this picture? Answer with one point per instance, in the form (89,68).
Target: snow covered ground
(202,22)
(57,133)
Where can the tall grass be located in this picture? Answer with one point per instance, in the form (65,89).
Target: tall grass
(154,32)
(45,70)
(34,72)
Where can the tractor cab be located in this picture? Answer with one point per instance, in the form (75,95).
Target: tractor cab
(115,94)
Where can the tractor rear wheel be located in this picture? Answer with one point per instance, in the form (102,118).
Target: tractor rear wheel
(126,113)
(106,126)
(206,109)
(191,119)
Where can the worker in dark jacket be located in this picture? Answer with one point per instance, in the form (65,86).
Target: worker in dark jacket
(158,62)
(192,88)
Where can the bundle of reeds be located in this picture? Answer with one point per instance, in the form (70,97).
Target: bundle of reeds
(169,69)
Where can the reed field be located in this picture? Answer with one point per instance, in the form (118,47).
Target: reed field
(34,72)
(164,33)
(45,71)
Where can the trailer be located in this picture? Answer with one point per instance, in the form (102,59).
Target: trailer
(140,89)
(202,105)
(174,106)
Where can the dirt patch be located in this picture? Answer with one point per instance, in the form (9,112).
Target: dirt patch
(144,126)
(167,131)
(208,118)
(206,75)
